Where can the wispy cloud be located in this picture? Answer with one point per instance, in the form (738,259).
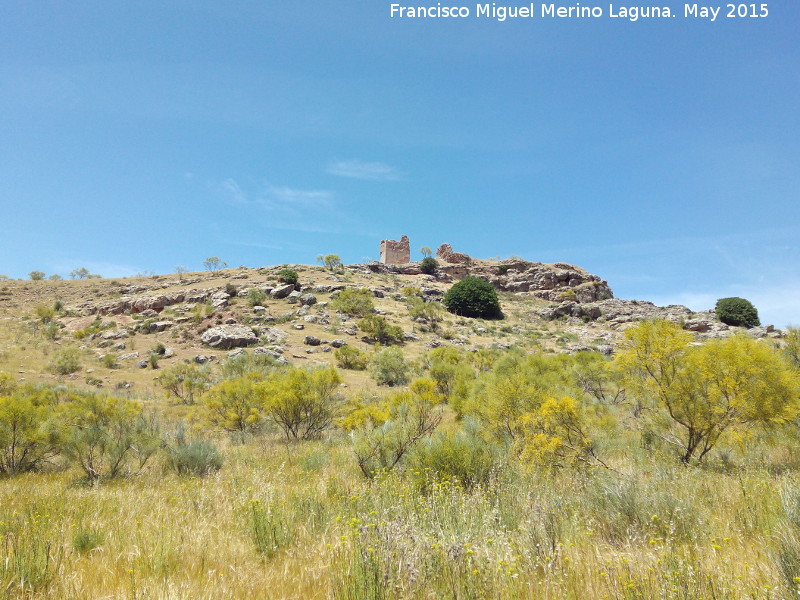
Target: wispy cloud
(275,197)
(358,169)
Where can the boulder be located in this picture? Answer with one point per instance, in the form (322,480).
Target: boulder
(158,326)
(282,291)
(311,340)
(229,336)
(308,299)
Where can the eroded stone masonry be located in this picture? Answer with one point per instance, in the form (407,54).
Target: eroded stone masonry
(394,252)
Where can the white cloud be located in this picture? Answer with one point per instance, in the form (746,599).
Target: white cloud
(357,169)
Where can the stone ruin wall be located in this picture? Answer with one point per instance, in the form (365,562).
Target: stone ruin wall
(445,253)
(394,252)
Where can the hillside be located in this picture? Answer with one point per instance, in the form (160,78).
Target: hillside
(551,307)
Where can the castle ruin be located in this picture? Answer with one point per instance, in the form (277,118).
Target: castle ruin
(394,252)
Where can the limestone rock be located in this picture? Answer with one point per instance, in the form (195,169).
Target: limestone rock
(229,336)
(282,291)
(308,299)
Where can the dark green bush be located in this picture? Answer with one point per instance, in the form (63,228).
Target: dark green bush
(473,297)
(287,276)
(737,311)
(429,265)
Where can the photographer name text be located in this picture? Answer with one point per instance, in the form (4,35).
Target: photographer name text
(500,12)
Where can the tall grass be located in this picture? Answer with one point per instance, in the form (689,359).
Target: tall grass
(280,522)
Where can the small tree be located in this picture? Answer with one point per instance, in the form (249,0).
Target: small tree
(36,275)
(792,347)
(180,271)
(702,392)
(426,252)
(331,261)
(408,417)
(737,312)
(473,297)
(214,263)
(82,273)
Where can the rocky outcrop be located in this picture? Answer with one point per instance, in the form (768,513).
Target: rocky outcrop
(225,337)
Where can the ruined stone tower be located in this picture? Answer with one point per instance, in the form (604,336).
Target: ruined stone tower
(394,252)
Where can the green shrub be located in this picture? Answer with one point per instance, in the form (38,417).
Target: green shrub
(348,357)
(51,330)
(302,402)
(473,297)
(45,313)
(66,361)
(108,437)
(256,297)
(288,276)
(196,458)
(185,381)
(462,455)
(380,330)
(28,436)
(234,405)
(356,302)
(231,290)
(737,312)
(36,275)
(429,265)
(388,367)
(109,361)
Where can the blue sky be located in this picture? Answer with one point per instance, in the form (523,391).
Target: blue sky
(662,154)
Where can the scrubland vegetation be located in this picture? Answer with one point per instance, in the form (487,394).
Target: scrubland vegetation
(670,471)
